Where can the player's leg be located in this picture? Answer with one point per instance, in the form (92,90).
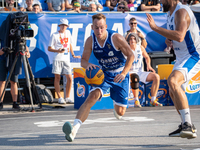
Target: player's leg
(155,78)
(135,88)
(82,114)
(175,80)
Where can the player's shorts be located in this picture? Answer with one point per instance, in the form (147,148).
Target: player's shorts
(142,75)
(4,72)
(189,68)
(61,67)
(118,91)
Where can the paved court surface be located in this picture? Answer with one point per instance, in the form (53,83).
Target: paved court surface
(140,128)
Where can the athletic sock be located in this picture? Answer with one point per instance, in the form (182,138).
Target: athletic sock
(136,99)
(185,115)
(77,124)
(153,98)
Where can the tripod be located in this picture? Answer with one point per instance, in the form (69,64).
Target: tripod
(28,71)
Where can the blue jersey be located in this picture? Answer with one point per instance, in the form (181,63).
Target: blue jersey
(108,56)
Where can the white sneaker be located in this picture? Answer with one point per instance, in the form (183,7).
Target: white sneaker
(61,101)
(116,115)
(69,101)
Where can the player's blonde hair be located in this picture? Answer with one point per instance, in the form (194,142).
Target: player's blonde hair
(98,17)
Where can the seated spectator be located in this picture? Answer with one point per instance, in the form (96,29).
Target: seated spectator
(85,5)
(29,4)
(76,7)
(149,5)
(131,5)
(122,6)
(92,7)
(23,4)
(56,5)
(9,6)
(68,4)
(195,2)
(36,8)
(133,29)
(111,4)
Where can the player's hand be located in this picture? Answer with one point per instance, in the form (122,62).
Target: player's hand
(149,68)
(151,21)
(91,66)
(169,43)
(119,78)
(77,56)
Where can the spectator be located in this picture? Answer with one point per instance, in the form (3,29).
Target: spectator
(122,6)
(92,7)
(23,4)
(36,8)
(9,6)
(29,4)
(133,29)
(68,4)
(61,44)
(56,5)
(195,2)
(76,7)
(149,5)
(131,5)
(85,5)
(111,4)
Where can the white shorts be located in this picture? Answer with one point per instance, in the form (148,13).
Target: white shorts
(61,67)
(188,68)
(142,75)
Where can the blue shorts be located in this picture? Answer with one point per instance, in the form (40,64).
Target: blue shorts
(118,91)
(4,72)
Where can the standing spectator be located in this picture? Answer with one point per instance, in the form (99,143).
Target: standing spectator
(23,4)
(92,7)
(133,29)
(131,5)
(149,5)
(61,44)
(122,6)
(111,4)
(76,7)
(85,5)
(9,6)
(36,8)
(56,5)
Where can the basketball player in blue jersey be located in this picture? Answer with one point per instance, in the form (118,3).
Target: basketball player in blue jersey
(182,33)
(115,58)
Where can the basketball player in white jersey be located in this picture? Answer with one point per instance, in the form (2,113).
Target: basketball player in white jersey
(183,33)
(137,73)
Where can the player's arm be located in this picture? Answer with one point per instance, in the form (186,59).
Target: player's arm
(121,44)
(86,55)
(147,59)
(182,21)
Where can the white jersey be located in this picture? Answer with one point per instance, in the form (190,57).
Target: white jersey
(137,64)
(55,42)
(190,46)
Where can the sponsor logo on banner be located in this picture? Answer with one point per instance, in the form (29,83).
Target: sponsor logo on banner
(194,84)
(80,90)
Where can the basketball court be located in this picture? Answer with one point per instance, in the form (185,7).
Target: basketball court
(140,128)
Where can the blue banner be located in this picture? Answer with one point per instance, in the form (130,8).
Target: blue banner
(80,27)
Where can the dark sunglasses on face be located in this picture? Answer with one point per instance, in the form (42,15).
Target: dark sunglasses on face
(133,23)
(121,7)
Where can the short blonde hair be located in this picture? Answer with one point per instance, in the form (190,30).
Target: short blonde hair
(98,17)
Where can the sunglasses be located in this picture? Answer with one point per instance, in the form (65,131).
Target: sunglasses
(133,23)
(120,7)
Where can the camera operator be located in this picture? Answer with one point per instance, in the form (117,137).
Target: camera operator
(13,80)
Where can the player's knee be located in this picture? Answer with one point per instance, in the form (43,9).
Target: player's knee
(156,77)
(121,112)
(134,81)
(171,82)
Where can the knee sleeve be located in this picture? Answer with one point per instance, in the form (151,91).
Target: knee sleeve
(134,81)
